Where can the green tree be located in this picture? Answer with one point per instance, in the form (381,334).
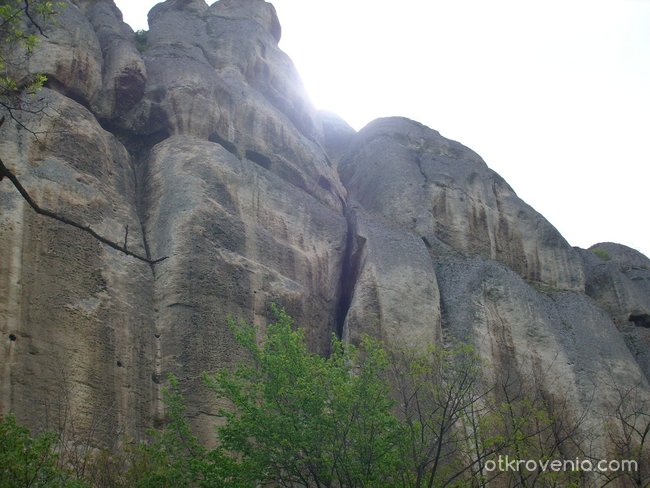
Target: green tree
(299,419)
(436,388)
(367,416)
(521,420)
(28,461)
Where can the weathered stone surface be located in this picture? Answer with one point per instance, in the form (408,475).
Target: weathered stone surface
(218,74)
(239,238)
(559,341)
(395,294)
(439,189)
(70,56)
(75,316)
(123,70)
(238,193)
(337,135)
(618,278)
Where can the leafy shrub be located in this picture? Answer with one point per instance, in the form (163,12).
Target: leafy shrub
(141,40)
(28,461)
(601,253)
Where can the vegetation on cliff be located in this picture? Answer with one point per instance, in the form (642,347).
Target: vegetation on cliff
(364,416)
(20,29)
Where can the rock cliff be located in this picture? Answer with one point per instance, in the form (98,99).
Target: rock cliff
(201,147)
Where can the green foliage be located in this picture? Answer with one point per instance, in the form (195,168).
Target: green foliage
(297,418)
(141,40)
(20,28)
(601,253)
(174,458)
(546,289)
(28,461)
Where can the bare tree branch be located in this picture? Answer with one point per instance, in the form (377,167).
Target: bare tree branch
(5,172)
(31,19)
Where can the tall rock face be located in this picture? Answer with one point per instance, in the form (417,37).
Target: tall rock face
(202,150)
(500,276)
(198,149)
(440,190)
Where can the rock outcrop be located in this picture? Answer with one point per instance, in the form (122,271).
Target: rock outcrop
(440,190)
(202,148)
(618,278)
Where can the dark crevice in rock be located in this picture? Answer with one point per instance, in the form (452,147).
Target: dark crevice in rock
(418,160)
(182,305)
(138,178)
(129,88)
(139,147)
(12,337)
(324,183)
(227,145)
(258,158)
(426,242)
(55,85)
(282,169)
(640,320)
(354,245)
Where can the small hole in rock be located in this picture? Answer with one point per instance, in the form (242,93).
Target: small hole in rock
(324,184)
(12,337)
(640,320)
(157,336)
(119,364)
(258,158)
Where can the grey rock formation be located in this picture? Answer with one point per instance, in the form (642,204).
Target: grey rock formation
(507,281)
(70,56)
(395,293)
(123,70)
(205,150)
(337,135)
(75,315)
(559,341)
(208,150)
(618,278)
(238,238)
(439,189)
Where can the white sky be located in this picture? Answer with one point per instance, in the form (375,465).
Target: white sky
(554,95)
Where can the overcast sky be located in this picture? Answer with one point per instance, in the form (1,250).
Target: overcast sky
(554,95)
